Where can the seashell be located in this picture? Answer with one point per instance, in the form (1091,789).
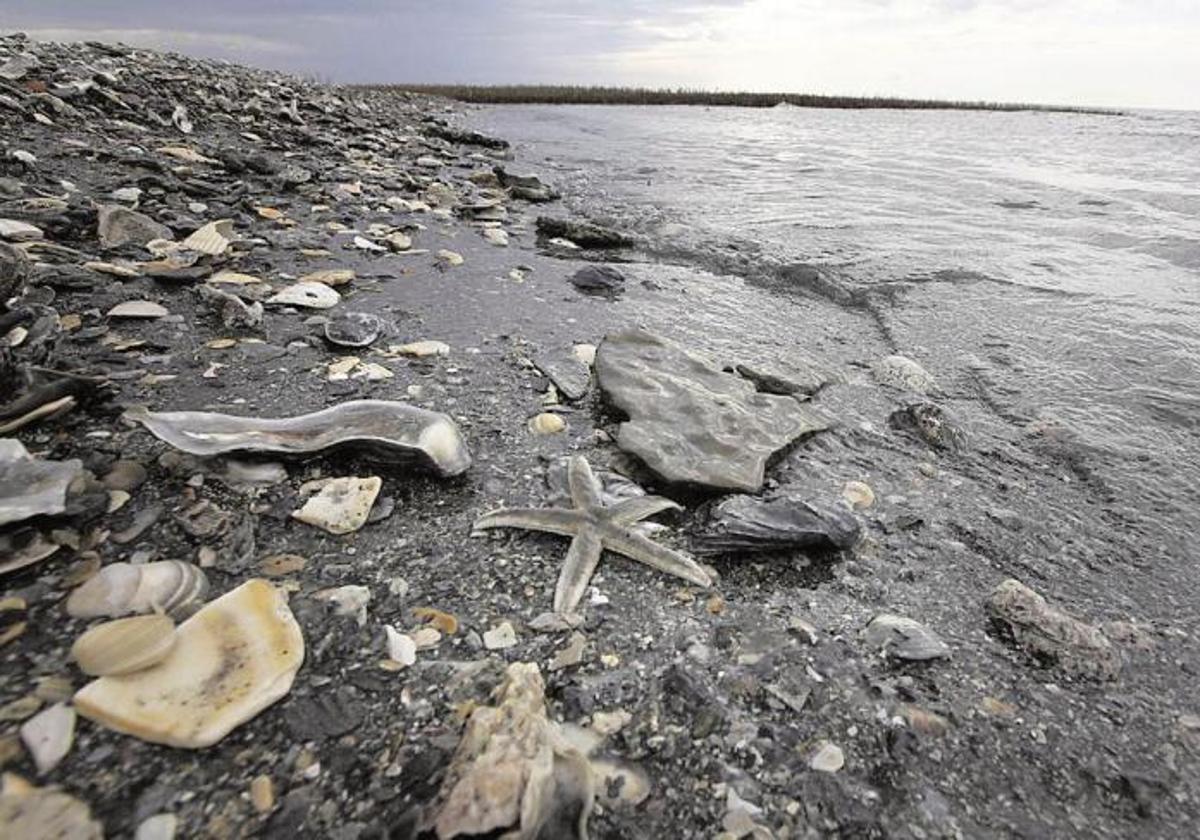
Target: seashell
(329,276)
(858,494)
(905,638)
(232,659)
(138,309)
(32,487)
(421,349)
(342,505)
(48,736)
(389,430)
(213,239)
(308,295)
(353,329)
(125,645)
(28,811)
(185,154)
(746,525)
(123,589)
(547,423)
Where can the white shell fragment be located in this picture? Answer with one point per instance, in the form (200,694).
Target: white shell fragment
(123,589)
(138,309)
(28,811)
(308,295)
(401,647)
(421,349)
(329,276)
(389,430)
(125,645)
(342,506)
(231,660)
(48,736)
(213,239)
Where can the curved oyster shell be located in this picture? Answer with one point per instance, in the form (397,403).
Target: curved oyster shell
(308,295)
(390,430)
(31,487)
(745,525)
(125,645)
(123,589)
(232,659)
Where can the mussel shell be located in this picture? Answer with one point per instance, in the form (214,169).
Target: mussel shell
(392,431)
(124,645)
(743,524)
(353,329)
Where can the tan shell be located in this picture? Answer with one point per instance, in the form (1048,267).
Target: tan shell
(125,645)
(232,659)
(212,239)
(123,589)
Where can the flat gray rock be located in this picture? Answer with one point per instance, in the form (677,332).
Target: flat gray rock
(570,376)
(690,422)
(30,487)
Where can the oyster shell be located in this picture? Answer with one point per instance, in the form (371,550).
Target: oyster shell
(123,589)
(232,659)
(125,645)
(342,505)
(744,524)
(31,487)
(28,811)
(390,430)
(213,239)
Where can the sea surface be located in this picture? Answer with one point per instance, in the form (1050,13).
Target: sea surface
(1045,264)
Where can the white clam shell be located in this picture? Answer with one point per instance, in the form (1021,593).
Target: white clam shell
(122,589)
(125,645)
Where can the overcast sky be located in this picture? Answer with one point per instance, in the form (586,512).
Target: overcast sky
(1099,52)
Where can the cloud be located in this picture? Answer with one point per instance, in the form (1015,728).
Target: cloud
(1106,52)
(166,39)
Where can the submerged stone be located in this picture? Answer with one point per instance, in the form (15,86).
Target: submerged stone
(603,280)
(690,422)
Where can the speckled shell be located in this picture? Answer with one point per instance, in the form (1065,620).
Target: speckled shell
(125,645)
(123,589)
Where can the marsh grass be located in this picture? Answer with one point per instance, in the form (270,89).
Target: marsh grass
(596,95)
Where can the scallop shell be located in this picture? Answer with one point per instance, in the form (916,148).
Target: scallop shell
(125,645)
(212,239)
(389,430)
(123,589)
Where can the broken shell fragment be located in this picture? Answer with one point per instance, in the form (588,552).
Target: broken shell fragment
(330,276)
(28,811)
(308,295)
(125,645)
(138,309)
(389,430)
(342,506)
(48,736)
(231,660)
(213,239)
(123,589)
(31,487)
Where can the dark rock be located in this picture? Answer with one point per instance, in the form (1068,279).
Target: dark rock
(798,379)
(583,234)
(118,226)
(601,280)
(570,376)
(690,422)
(746,525)
(905,638)
(465,138)
(326,714)
(527,187)
(14,271)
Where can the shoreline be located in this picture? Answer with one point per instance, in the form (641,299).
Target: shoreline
(758,708)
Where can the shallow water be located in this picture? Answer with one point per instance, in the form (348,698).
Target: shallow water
(1045,266)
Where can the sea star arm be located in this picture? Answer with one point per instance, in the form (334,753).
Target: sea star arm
(646,550)
(550,520)
(585,489)
(577,570)
(629,511)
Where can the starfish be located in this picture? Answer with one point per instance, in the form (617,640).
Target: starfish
(595,527)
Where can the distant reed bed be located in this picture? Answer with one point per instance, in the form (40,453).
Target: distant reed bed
(599,95)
